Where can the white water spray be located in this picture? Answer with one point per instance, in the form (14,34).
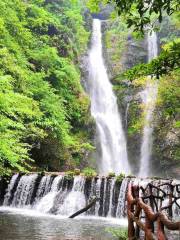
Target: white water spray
(120,211)
(104,109)
(9,190)
(148,96)
(75,200)
(45,204)
(111,197)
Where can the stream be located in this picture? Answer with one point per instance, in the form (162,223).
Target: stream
(16,224)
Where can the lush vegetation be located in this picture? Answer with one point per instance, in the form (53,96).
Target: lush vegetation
(167,61)
(44,113)
(127,58)
(166,146)
(43,108)
(139,13)
(121,234)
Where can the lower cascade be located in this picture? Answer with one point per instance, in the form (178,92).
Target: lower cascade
(60,195)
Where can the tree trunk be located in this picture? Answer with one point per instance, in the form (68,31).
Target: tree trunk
(93,202)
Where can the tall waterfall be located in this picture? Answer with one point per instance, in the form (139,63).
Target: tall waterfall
(148,99)
(104,109)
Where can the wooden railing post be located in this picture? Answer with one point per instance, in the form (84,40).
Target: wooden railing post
(130,208)
(160,230)
(135,205)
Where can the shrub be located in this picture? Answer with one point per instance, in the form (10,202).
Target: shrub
(89,172)
(77,171)
(111,174)
(120,177)
(122,233)
(69,175)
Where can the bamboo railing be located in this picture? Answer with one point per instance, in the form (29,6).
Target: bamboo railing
(146,211)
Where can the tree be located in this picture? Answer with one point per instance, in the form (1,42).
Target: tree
(43,109)
(167,61)
(140,13)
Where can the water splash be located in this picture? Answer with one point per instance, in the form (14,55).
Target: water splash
(68,196)
(148,97)
(24,191)
(11,186)
(46,203)
(104,109)
(75,200)
(120,212)
(98,192)
(111,197)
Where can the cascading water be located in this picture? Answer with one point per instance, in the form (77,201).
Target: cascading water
(45,204)
(104,109)
(120,212)
(111,197)
(98,192)
(148,96)
(62,196)
(75,200)
(11,186)
(24,192)
(44,188)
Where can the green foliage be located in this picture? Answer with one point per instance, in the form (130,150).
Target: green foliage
(169,94)
(89,172)
(111,174)
(136,121)
(115,40)
(43,108)
(167,116)
(18,117)
(77,171)
(140,13)
(167,61)
(69,175)
(120,177)
(120,233)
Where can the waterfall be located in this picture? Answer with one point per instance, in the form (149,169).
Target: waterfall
(98,186)
(104,197)
(126,114)
(148,96)
(176,209)
(75,200)
(43,188)
(120,212)
(24,192)
(104,109)
(45,204)
(62,196)
(9,194)
(111,197)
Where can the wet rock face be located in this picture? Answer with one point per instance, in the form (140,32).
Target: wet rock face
(115,197)
(3,187)
(121,52)
(136,52)
(87,188)
(166,148)
(104,13)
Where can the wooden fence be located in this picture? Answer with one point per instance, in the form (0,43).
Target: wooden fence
(147,213)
